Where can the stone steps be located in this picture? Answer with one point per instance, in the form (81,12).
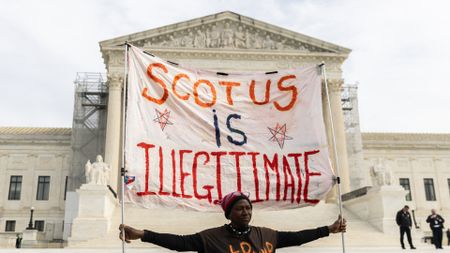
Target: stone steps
(360,232)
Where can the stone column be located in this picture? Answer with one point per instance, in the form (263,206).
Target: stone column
(113,127)
(416,186)
(4,180)
(335,89)
(441,183)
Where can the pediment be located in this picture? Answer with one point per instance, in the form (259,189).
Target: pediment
(226,31)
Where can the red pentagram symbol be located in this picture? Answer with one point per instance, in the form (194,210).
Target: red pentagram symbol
(279,134)
(162,118)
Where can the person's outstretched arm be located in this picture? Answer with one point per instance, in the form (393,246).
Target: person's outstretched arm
(287,239)
(169,241)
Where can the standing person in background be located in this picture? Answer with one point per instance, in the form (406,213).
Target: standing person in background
(18,241)
(448,237)
(404,221)
(436,224)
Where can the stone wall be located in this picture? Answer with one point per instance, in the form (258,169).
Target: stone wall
(415,157)
(30,153)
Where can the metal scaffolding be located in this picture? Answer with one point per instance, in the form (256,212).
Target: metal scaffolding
(358,173)
(346,97)
(89,123)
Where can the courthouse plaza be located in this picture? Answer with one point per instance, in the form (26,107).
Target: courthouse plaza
(43,168)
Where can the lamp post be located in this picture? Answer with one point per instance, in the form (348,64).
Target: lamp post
(30,224)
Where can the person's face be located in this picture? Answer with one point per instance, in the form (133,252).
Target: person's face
(405,209)
(241,213)
(433,211)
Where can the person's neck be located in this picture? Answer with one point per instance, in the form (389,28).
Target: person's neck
(240,228)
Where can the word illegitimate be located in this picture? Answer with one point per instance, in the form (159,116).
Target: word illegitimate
(270,178)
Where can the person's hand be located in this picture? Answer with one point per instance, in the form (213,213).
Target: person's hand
(130,233)
(340,225)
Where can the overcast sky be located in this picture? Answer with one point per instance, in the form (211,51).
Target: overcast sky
(400,57)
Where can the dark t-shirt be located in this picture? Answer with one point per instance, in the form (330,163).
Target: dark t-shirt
(221,240)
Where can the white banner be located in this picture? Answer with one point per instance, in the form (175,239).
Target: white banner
(192,136)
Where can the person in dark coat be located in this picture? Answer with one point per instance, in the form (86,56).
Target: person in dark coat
(448,237)
(404,221)
(237,236)
(436,225)
(18,241)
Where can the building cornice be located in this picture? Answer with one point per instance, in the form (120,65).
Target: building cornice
(35,130)
(225,54)
(402,141)
(35,135)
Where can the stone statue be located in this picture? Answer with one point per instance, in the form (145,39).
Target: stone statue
(97,172)
(188,40)
(200,39)
(380,175)
(303,48)
(148,43)
(171,42)
(240,38)
(268,43)
(174,42)
(257,41)
(248,39)
(213,37)
(279,45)
(227,36)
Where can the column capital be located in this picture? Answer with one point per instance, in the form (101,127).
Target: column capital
(335,85)
(114,58)
(115,80)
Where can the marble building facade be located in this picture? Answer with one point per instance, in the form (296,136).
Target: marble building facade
(36,162)
(34,166)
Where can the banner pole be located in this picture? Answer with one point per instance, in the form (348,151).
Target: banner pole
(122,168)
(324,75)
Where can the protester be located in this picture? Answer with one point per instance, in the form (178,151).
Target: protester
(404,221)
(237,236)
(436,224)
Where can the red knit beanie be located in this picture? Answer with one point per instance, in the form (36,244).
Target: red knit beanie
(230,199)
